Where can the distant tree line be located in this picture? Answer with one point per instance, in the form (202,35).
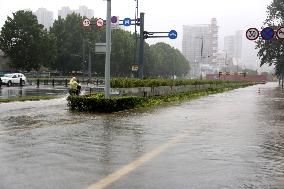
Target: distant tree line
(66,47)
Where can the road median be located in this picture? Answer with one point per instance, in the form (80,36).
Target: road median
(97,102)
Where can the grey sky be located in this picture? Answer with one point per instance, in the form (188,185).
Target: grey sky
(164,15)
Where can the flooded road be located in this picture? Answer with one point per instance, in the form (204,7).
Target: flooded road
(228,140)
(16,91)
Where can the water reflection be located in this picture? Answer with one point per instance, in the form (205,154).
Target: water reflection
(11,92)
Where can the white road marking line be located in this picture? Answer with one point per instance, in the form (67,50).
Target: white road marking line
(111,178)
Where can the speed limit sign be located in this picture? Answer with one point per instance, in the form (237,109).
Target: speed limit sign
(86,22)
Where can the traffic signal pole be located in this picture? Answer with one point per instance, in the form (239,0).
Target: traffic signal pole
(141,49)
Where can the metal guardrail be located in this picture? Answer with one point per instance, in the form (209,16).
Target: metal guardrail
(63,82)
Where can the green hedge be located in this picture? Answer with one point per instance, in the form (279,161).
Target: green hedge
(130,82)
(97,103)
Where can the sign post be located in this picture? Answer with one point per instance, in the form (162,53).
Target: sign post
(108,50)
(141,49)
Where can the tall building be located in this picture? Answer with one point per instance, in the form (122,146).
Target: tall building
(200,46)
(83,11)
(233,46)
(44,17)
(64,12)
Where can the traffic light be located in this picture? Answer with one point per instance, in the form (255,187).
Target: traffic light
(145,34)
(245,73)
(138,22)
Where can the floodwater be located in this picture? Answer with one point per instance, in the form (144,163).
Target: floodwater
(230,140)
(16,91)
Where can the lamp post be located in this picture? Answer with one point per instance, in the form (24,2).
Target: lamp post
(201,53)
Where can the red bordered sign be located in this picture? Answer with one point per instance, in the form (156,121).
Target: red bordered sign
(252,34)
(86,22)
(100,22)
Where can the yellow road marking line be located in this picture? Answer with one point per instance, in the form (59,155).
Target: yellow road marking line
(111,178)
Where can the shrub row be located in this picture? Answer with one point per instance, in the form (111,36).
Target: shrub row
(131,82)
(97,102)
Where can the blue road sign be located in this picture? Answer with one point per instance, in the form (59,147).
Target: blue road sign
(173,34)
(127,22)
(267,33)
(113,19)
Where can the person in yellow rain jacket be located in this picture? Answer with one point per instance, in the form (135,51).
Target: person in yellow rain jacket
(73,86)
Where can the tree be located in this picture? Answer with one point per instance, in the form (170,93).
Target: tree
(167,61)
(272,51)
(73,43)
(25,42)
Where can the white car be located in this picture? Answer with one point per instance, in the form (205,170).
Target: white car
(13,78)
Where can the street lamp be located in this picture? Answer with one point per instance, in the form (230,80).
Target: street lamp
(201,52)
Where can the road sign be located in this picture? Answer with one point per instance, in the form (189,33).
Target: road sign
(280,33)
(100,48)
(173,34)
(252,34)
(267,33)
(100,22)
(114,22)
(114,19)
(127,22)
(86,22)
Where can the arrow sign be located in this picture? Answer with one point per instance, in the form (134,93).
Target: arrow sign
(127,22)
(173,34)
(280,33)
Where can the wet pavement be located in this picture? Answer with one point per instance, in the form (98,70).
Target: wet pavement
(229,140)
(17,91)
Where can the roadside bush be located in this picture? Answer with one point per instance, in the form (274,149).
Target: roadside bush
(131,82)
(97,102)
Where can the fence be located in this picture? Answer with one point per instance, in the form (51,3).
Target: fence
(63,82)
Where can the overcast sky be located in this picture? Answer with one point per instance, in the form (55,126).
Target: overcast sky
(161,15)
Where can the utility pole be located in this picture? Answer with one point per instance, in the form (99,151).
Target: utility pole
(141,49)
(135,35)
(108,50)
(83,56)
(90,64)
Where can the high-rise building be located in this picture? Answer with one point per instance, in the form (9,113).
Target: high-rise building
(84,11)
(64,12)
(200,46)
(233,46)
(44,17)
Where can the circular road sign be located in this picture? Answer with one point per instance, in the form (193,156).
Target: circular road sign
(86,22)
(100,22)
(280,33)
(173,34)
(127,21)
(267,33)
(252,34)
(114,19)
